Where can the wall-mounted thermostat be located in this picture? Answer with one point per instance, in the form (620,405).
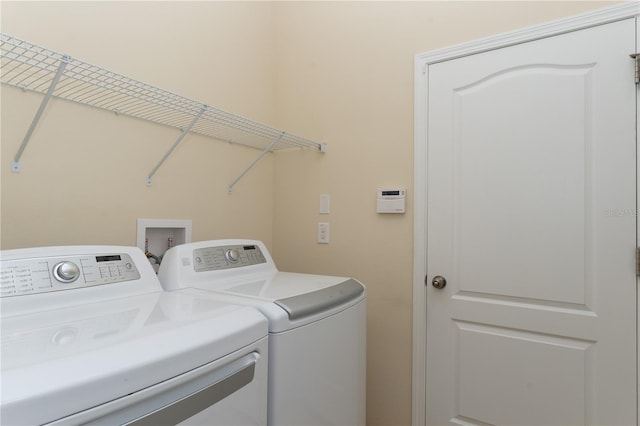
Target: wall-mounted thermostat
(391,200)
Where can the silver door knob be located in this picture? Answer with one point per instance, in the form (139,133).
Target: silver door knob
(439,282)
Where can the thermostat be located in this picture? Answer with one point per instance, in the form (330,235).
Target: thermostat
(391,200)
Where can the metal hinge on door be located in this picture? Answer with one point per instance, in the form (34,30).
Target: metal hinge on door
(637,261)
(636,58)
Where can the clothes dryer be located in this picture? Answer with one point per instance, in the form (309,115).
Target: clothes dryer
(90,337)
(317,326)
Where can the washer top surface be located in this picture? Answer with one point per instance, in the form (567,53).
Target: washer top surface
(276,286)
(244,272)
(68,346)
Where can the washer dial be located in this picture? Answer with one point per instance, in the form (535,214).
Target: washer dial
(66,272)
(232,255)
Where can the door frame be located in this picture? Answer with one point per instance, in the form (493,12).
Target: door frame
(421,67)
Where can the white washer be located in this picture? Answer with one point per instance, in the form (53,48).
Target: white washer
(90,337)
(317,327)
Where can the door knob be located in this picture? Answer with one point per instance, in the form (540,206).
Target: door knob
(439,282)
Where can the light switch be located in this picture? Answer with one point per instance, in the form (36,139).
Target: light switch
(324,204)
(323,233)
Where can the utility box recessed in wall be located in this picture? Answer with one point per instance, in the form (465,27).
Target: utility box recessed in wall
(156,235)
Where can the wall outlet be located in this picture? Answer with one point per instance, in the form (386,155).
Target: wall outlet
(323,233)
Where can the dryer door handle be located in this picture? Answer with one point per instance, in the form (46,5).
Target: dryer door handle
(174,400)
(191,405)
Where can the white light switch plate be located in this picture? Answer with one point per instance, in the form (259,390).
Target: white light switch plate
(324,204)
(323,233)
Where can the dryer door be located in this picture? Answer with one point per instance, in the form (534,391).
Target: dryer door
(229,391)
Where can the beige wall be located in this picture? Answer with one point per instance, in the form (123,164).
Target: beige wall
(341,72)
(83,178)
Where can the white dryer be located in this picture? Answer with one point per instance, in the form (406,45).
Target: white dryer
(90,337)
(317,327)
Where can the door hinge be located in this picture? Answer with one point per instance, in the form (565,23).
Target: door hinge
(636,58)
(637,261)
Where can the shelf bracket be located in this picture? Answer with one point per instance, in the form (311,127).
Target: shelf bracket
(262,154)
(15,166)
(176,143)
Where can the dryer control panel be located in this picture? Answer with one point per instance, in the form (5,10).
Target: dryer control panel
(46,274)
(225,257)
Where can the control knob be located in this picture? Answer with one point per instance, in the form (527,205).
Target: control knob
(66,272)
(232,255)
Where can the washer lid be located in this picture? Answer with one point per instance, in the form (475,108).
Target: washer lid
(299,295)
(321,300)
(59,362)
(269,286)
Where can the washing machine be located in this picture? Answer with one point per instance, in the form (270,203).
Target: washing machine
(317,326)
(90,337)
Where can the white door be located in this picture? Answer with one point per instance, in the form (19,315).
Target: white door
(531,192)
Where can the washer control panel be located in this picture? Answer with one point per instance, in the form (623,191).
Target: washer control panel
(225,257)
(41,275)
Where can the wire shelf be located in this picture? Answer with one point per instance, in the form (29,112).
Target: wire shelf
(32,67)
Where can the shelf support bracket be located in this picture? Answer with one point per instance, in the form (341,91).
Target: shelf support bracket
(176,143)
(262,154)
(15,166)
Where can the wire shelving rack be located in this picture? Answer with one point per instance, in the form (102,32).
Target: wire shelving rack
(31,67)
